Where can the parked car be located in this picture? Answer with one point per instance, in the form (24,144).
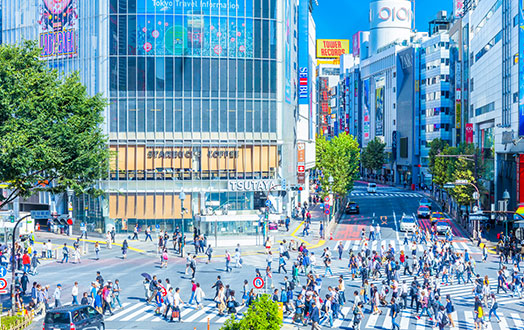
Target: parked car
(436,217)
(425,202)
(352,207)
(423,212)
(442,227)
(74,317)
(408,223)
(372,187)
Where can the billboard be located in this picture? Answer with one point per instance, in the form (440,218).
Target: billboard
(356,44)
(303,52)
(367,122)
(458,8)
(57,28)
(380,87)
(194,34)
(332,48)
(469,133)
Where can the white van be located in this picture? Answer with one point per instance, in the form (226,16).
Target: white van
(372,188)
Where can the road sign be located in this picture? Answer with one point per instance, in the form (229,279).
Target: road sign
(461,182)
(44,214)
(476,196)
(283,184)
(3,272)
(258,282)
(268,203)
(157,226)
(326,199)
(301,169)
(163,291)
(327,211)
(449,186)
(3,284)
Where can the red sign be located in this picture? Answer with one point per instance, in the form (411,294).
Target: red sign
(356,44)
(346,130)
(520,178)
(469,133)
(301,168)
(326,199)
(163,291)
(3,283)
(258,282)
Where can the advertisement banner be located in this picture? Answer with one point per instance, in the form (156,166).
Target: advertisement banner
(58,28)
(469,133)
(458,115)
(356,44)
(332,48)
(303,52)
(367,122)
(301,153)
(380,86)
(458,8)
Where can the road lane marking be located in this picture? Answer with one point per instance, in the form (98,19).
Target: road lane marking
(396,225)
(125,311)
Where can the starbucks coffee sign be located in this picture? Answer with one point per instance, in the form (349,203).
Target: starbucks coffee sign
(252,185)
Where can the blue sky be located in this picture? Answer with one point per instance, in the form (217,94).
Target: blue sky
(340,19)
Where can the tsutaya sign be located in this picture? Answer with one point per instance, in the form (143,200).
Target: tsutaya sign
(252,185)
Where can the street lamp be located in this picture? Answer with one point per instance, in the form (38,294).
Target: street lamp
(506,197)
(182,197)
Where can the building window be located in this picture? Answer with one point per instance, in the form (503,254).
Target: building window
(515,97)
(515,20)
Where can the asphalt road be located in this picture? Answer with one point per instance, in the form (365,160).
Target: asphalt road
(387,202)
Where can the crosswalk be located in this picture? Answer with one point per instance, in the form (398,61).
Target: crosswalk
(356,246)
(384,194)
(463,320)
(141,312)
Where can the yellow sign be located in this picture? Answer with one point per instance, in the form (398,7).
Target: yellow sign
(458,115)
(335,61)
(281,310)
(332,48)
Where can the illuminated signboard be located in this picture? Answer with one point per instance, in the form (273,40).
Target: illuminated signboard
(332,48)
(58,22)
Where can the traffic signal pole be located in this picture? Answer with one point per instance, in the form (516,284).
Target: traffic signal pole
(13,265)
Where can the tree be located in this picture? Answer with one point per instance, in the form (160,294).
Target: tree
(373,155)
(437,146)
(463,194)
(338,158)
(263,314)
(50,129)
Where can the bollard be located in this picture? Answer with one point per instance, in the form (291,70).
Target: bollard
(208,323)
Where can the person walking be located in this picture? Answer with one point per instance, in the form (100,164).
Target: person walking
(209,253)
(125,246)
(395,309)
(450,308)
(238,258)
(493,309)
(49,249)
(148,234)
(228,261)
(97,251)
(199,296)
(281,264)
(315,317)
(65,253)
(193,265)
(116,294)
(108,240)
(135,232)
(57,295)
(74,293)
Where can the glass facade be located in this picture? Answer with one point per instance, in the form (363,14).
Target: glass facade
(197,94)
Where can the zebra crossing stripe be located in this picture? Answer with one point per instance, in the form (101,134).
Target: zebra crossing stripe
(138,312)
(201,312)
(125,311)
(517,321)
(421,324)
(372,320)
(404,320)
(224,318)
(503,324)
(338,322)
(387,321)
(468,318)
(346,246)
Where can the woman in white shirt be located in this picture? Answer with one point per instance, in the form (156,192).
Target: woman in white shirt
(199,296)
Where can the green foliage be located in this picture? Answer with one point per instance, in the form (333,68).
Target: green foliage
(339,158)
(373,155)
(436,147)
(447,169)
(9,322)
(50,128)
(262,315)
(463,194)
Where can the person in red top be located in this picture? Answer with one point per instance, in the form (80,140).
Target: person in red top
(26,261)
(193,289)
(402,257)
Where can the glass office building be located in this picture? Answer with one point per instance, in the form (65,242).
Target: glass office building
(196,102)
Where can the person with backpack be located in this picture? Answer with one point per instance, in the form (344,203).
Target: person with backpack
(442,318)
(327,263)
(209,253)
(281,264)
(493,309)
(479,314)
(193,265)
(357,316)
(450,308)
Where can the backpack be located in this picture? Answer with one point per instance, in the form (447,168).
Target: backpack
(292,285)
(478,289)
(445,319)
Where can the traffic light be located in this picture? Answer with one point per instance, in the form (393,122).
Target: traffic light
(12,218)
(283,184)
(297,188)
